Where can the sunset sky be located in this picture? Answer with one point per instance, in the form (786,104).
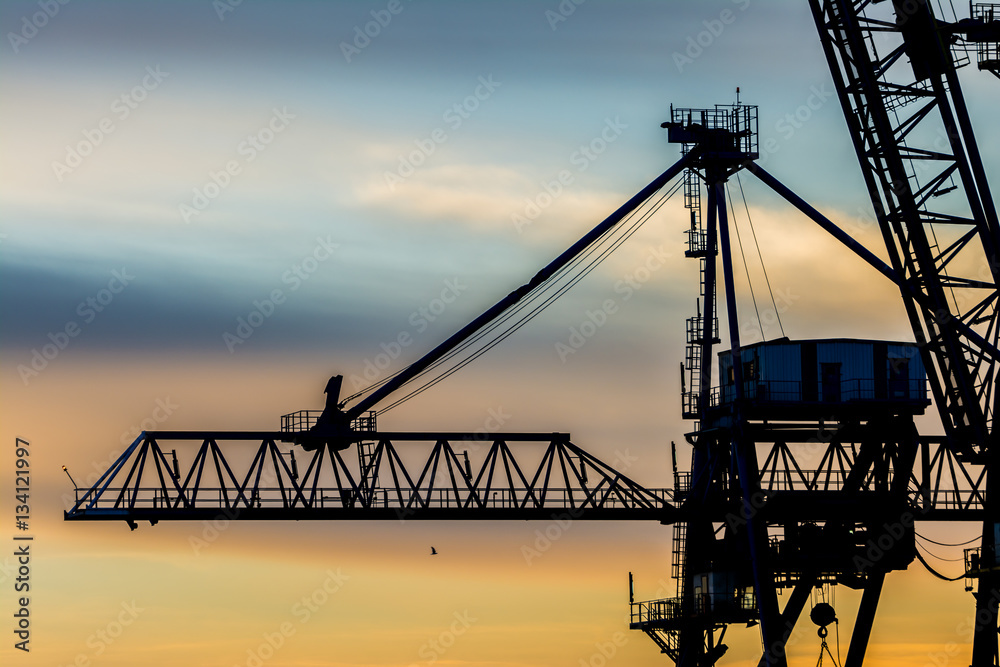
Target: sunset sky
(167,168)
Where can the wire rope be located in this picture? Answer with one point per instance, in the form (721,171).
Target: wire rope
(746,267)
(945,544)
(767,279)
(608,240)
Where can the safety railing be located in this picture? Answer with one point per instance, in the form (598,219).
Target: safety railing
(652,612)
(303,420)
(844,391)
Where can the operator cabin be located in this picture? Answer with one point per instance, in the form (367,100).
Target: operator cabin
(804,379)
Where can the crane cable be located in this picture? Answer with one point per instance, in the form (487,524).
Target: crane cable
(371,387)
(567,271)
(539,292)
(548,284)
(504,317)
(516,308)
(746,267)
(945,544)
(935,556)
(767,280)
(824,648)
(935,572)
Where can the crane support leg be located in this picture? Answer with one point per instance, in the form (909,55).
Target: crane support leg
(984,642)
(907,453)
(865,619)
(745,454)
(793,608)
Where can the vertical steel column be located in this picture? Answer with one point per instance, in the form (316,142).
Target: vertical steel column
(691,641)
(865,619)
(907,445)
(984,642)
(745,454)
(708,322)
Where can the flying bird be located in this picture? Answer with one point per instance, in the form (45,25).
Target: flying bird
(434,551)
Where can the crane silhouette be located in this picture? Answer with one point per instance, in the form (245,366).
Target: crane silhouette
(751,516)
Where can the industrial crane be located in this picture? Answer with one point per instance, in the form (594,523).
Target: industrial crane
(751,516)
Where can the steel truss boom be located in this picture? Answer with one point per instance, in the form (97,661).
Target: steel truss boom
(250,477)
(895,72)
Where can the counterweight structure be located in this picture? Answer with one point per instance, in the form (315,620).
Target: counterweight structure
(807,469)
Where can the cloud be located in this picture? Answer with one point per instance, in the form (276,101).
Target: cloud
(479,195)
(495,199)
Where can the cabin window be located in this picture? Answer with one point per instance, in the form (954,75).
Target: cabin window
(749,372)
(899,378)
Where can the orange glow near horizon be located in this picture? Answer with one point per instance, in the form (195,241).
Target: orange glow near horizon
(212,594)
